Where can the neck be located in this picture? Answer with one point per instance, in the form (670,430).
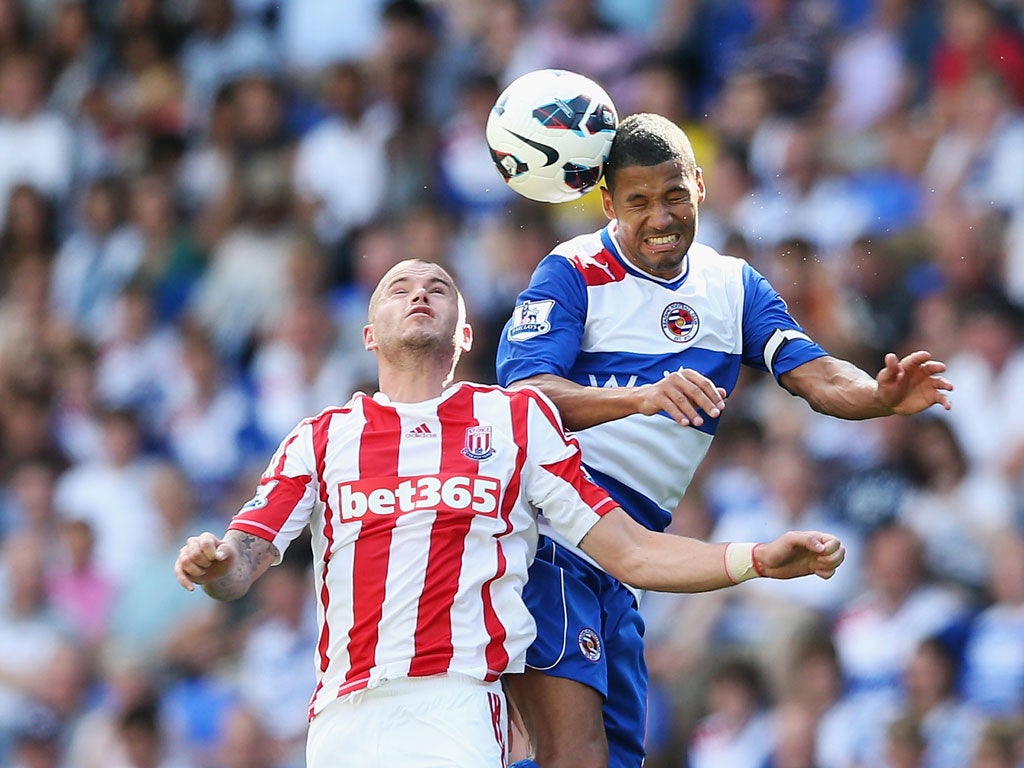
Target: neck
(412,382)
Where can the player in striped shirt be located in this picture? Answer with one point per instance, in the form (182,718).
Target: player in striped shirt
(637,333)
(422,505)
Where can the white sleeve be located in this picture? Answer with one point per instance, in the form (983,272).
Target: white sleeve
(554,480)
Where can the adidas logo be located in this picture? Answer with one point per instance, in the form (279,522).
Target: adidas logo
(421,431)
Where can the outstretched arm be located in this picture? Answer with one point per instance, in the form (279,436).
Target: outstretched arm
(224,568)
(681,395)
(668,563)
(839,388)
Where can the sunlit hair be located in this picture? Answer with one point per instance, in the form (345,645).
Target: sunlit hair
(645,140)
(379,290)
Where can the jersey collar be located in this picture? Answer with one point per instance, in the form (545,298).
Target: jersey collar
(610,241)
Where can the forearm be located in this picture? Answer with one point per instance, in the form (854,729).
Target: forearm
(655,561)
(581,407)
(255,556)
(669,563)
(836,388)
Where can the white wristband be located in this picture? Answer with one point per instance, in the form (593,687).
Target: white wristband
(739,562)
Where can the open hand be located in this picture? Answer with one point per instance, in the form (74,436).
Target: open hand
(911,384)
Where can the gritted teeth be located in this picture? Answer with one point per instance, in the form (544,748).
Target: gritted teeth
(662,240)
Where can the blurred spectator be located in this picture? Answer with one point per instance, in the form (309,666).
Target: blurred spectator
(737,729)
(76,409)
(220,48)
(993,668)
(147,613)
(137,366)
(794,727)
(74,55)
(30,230)
(209,420)
(987,369)
(144,741)
(354,136)
(949,727)
(112,493)
(238,298)
(959,511)
(877,633)
(172,261)
(28,328)
(75,585)
(30,630)
(125,681)
(785,43)
(26,434)
(811,289)
(868,76)
(198,699)
(246,743)
(35,144)
(972,162)
(298,370)
(873,273)
(576,37)
(973,38)
(96,260)
(27,500)
(469,186)
(799,195)
(411,145)
(315,34)
(207,168)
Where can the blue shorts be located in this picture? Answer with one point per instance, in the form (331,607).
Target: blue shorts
(589,630)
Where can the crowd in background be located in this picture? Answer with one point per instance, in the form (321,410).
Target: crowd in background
(197,196)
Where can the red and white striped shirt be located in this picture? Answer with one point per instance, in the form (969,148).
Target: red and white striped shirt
(423,520)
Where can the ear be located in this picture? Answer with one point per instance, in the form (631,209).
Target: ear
(464,337)
(606,203)
(701,190)
(369,342)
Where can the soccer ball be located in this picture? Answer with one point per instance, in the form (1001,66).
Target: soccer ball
(549,134)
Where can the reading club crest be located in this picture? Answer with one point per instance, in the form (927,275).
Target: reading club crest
(590,644)
(679,322)
(478,443)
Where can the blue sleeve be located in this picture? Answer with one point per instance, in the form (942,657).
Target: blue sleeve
(772,340)
(546,328)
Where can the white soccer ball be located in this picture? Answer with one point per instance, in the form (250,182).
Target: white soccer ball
(549,134)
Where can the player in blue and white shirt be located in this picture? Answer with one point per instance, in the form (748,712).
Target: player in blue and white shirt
(637,333)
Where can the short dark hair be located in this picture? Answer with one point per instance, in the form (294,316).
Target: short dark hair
(646,139)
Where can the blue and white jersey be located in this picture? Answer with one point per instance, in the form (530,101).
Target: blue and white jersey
(590,317)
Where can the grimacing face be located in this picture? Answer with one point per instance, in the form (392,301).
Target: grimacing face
(656,207)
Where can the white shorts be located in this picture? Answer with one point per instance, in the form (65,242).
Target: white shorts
(444,721)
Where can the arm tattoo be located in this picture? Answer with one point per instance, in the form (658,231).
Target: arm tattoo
(255,555)
(258,553)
